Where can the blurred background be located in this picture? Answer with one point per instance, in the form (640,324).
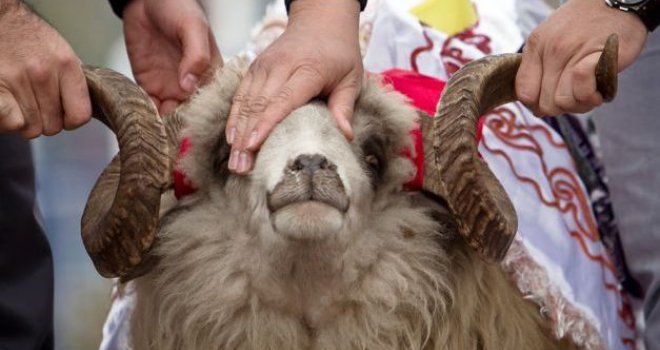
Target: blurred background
(68,164)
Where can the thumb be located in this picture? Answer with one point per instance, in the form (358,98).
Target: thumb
(342,103)
(196,54)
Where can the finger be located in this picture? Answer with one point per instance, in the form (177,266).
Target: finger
(564,98)
(47,92)
(298,90)
(528,78)
(236,117)
(239,98)
(11,117)
(196,58)
(584,87)
(252,107)
(22,91)
(262,95)
(553,66)
(76,103)
(167,106)
(342,103)
(156,101)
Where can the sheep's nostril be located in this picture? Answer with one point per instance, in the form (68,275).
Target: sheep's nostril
(310,163)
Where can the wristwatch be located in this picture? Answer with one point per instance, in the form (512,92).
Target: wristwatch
(647,10)
(287,3)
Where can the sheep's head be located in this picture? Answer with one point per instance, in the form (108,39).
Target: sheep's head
(307,189)
(308,181)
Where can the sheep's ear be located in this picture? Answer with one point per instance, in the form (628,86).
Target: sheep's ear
(453,169)
(205,117)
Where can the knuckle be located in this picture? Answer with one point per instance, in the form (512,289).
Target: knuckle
(559,48)
(253,106)
(583,74)
(259,68)
(565,103)
(283,96)
(534,40)
(238,118)
(238,98)
(68,61)
(38,72)
(310,67)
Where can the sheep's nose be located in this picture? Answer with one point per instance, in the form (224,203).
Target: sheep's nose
(311,163)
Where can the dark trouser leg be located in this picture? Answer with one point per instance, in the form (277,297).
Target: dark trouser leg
(26,264)
(629,130)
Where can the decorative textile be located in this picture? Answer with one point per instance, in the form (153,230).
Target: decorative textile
(447,16)
(558,258)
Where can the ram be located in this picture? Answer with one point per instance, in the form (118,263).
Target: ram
(320,246)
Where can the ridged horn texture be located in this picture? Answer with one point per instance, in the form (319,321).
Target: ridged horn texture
(121,216)
(453,169)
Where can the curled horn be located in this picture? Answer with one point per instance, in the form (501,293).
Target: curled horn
(453,169)
(121,216)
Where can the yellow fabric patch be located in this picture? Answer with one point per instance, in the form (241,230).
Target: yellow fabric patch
(447,16)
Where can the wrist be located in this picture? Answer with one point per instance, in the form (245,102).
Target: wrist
(647,11)
(342,15)
(287,4)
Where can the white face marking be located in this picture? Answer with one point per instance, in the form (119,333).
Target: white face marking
(308,130)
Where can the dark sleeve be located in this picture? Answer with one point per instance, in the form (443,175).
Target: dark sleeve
(118,6)
(26,262)
(287,3)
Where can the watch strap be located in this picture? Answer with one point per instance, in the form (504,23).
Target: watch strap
(649,13)
(287,3)
(118,6)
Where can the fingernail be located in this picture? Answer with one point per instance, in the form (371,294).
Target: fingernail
(189,82)
(242,163)
(231,136)
(233,160)
(346,126)
(253,139)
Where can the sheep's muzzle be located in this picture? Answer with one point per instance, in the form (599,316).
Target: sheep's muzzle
(310,201)
(309,178)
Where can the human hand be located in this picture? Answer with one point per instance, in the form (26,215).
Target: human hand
(42,86)
(171,48)
(318,54)
(556,74)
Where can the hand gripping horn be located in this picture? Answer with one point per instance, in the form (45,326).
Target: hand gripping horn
(453,169)
(121,216)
